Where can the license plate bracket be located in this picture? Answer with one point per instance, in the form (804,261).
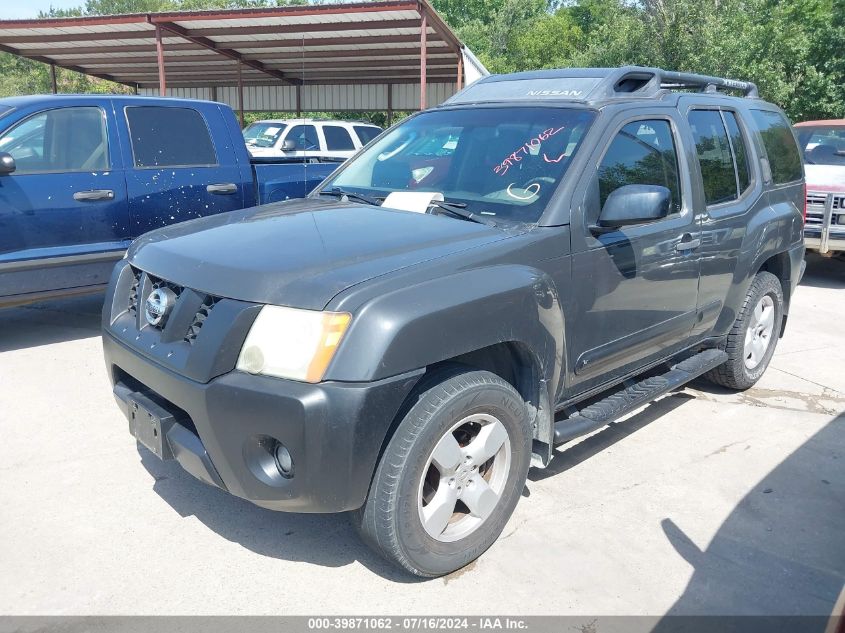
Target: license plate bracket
(149,424)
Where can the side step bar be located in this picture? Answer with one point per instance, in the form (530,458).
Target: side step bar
(633,397)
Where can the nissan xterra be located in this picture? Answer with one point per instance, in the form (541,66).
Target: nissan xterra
(539,256)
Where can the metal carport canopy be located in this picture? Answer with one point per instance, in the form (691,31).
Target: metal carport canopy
(391,55)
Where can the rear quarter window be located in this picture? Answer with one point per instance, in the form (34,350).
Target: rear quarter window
(169,137)
(366,133)
(780,145)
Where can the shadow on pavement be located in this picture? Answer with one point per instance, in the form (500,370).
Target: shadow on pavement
(824,272)
(328,540)
(49,322)
(781,551)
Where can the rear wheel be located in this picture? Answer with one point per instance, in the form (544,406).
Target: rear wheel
(450,476)
(754,336)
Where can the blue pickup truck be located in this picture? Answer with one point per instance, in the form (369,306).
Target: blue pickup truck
(82,176)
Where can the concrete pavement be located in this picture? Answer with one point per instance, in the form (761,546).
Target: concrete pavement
(704,502)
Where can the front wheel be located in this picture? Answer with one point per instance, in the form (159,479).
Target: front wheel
(754,336)
(451,475)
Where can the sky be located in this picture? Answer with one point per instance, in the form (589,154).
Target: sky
(17,10)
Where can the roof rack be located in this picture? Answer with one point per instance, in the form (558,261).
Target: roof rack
(641,80)
(593,84)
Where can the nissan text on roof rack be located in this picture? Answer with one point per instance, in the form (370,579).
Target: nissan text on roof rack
(539,256)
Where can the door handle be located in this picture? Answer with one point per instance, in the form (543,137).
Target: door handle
(687,245)
(223,188)
(94,194)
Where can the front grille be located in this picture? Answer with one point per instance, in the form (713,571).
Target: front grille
(134,291)
(199,318)
(815,209)
(174,328)
(156,284)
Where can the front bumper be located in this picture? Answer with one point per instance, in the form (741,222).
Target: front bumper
(832,242)
(334,431)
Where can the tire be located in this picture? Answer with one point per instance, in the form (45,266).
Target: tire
(415,484)
(745,365)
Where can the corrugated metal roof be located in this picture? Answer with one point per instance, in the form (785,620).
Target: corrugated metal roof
(360,43)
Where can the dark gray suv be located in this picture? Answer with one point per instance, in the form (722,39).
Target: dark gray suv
(539,256)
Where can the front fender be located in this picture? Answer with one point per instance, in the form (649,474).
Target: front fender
(442,318)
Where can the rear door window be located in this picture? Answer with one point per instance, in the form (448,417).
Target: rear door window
(781,149)
(643,153)
(305,137)
(169,137)
(338,139)
(714,156)
(743,171)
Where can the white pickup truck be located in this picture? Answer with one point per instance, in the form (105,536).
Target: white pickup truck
(823,144)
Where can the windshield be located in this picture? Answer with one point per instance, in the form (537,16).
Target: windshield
(822,145)
(504,163)
(263,134)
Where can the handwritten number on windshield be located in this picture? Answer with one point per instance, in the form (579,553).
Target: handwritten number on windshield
(521,152)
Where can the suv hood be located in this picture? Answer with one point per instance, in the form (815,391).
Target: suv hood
(825,177)
(263,151)
(300,253)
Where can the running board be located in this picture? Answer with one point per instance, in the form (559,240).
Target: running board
(633,397)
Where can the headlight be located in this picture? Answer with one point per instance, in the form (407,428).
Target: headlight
(291,343)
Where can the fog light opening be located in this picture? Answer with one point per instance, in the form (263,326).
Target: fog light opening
(284,461)
(269,460)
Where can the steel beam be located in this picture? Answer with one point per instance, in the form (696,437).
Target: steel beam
(241,92)
(423,55)
(327,81)
(459,84)
(45,60)
(282,29)
(162,73)
(439,26)
(232,54)
(379,40)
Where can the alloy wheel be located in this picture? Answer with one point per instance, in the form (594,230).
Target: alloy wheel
(758,335)
(464,477)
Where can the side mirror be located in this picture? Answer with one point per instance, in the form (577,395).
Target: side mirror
(7,163)
(288,145)
(634,204)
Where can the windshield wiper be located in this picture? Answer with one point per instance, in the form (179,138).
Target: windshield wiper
(458,210)
(350,195)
